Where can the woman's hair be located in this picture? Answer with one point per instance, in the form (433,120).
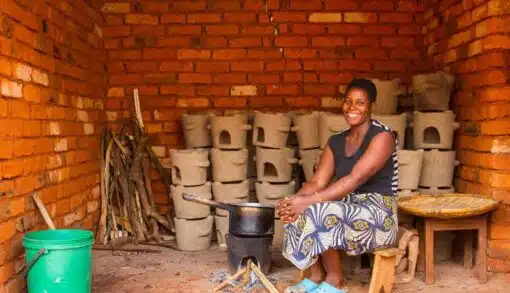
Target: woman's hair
(363,84)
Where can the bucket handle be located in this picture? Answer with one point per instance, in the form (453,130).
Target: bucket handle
(32,261)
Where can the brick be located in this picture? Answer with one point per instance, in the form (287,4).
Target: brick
(228,54)
(147,31)
(499,231)
(269,78)
(158,53)
(499,249)
(309,29)
(192,30)
(496,42)
(395,17)
(330,102)
(291,41)
(137,18)
(292,77)
(319,65)
(263,102)
(370,53)
(240,17)
(500,146)
(299,53)
(173,18)
(176,66)
(264,54)
(221,30)
(495,127)
(189,5)
(19,109)
(116,8)
(258,30)
(289,17)
(173,42)
(357,17)
(193,102)
(318,17)
(212,66)
(322,42)
(116,92)
(23,72)
(6,67)
(117,31)
(255,5)
(230,102)
(126,54)
(143,66)
(203,17)
(11,89)
(362,41)
(397,54)
(193,54)
(306,4)
(335,77)
(375,5)
(229,78)
(498,7)
(31,128)
(245,42)
(180,90)
(156,7)
(282,90)
(315,90)
(7,230)
(398,42)
(494,178)
(212,90)
(341,5)
(226,5)
(379,30)
(247,66)
(283,66)
(214,42)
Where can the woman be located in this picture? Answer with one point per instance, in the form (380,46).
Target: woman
(358,212)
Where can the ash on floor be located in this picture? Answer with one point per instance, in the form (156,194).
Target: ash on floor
(190,272)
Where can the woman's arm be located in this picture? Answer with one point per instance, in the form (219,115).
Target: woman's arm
(322,175)
(374,158)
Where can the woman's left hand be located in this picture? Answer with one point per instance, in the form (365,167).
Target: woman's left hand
(297,205)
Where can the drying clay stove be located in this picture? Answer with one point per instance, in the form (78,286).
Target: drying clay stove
(242,248)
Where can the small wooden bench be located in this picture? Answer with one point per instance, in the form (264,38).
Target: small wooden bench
(383,272)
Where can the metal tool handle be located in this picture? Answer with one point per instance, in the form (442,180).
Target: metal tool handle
(206,201)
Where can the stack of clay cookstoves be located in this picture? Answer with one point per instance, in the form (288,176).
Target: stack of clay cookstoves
(191,174)
(433,130)
(230,162)
(275,161)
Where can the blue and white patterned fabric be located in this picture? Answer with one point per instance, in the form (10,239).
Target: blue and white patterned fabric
(357,224)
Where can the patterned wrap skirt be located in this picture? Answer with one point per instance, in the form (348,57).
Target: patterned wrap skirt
(357,224)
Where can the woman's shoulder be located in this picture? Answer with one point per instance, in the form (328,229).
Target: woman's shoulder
(377,127)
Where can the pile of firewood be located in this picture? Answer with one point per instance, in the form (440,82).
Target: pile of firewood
(127,202)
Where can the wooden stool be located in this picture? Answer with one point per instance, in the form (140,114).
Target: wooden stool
(468,223)
(383,272)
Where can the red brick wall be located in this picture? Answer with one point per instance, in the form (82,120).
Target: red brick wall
(52,81)
(198,55)
(470,40)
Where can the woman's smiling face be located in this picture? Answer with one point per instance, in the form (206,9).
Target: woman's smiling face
(356,107)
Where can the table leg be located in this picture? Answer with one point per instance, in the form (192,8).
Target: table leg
(482,252)
(468,249)
(429,253)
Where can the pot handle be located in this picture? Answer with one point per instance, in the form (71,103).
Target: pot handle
(32,261)
(206,201)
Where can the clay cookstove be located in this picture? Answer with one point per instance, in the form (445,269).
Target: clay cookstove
(241,248)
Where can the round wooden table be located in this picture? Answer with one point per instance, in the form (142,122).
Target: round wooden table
(452,212)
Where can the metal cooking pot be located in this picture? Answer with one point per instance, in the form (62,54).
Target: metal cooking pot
(245,219)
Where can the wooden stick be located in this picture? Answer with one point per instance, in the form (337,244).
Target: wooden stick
(229,279)
(43,211)
(263,279)
(145,250)
(247,275)
(138,111)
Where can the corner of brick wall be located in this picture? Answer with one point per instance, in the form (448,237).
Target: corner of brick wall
(470,40)
(52,85)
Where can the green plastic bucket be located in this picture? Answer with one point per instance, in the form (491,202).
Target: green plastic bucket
(58,260)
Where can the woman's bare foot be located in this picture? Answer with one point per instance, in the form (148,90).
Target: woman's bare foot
(335,281)
(317,273)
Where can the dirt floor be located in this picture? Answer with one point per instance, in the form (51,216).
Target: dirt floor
(187,272)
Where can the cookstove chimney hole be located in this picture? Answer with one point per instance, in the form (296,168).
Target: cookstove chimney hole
(261,137)
(177,172)
(224,137)
(270,170)
(431,135)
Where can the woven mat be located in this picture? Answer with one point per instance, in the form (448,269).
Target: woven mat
(447,206)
